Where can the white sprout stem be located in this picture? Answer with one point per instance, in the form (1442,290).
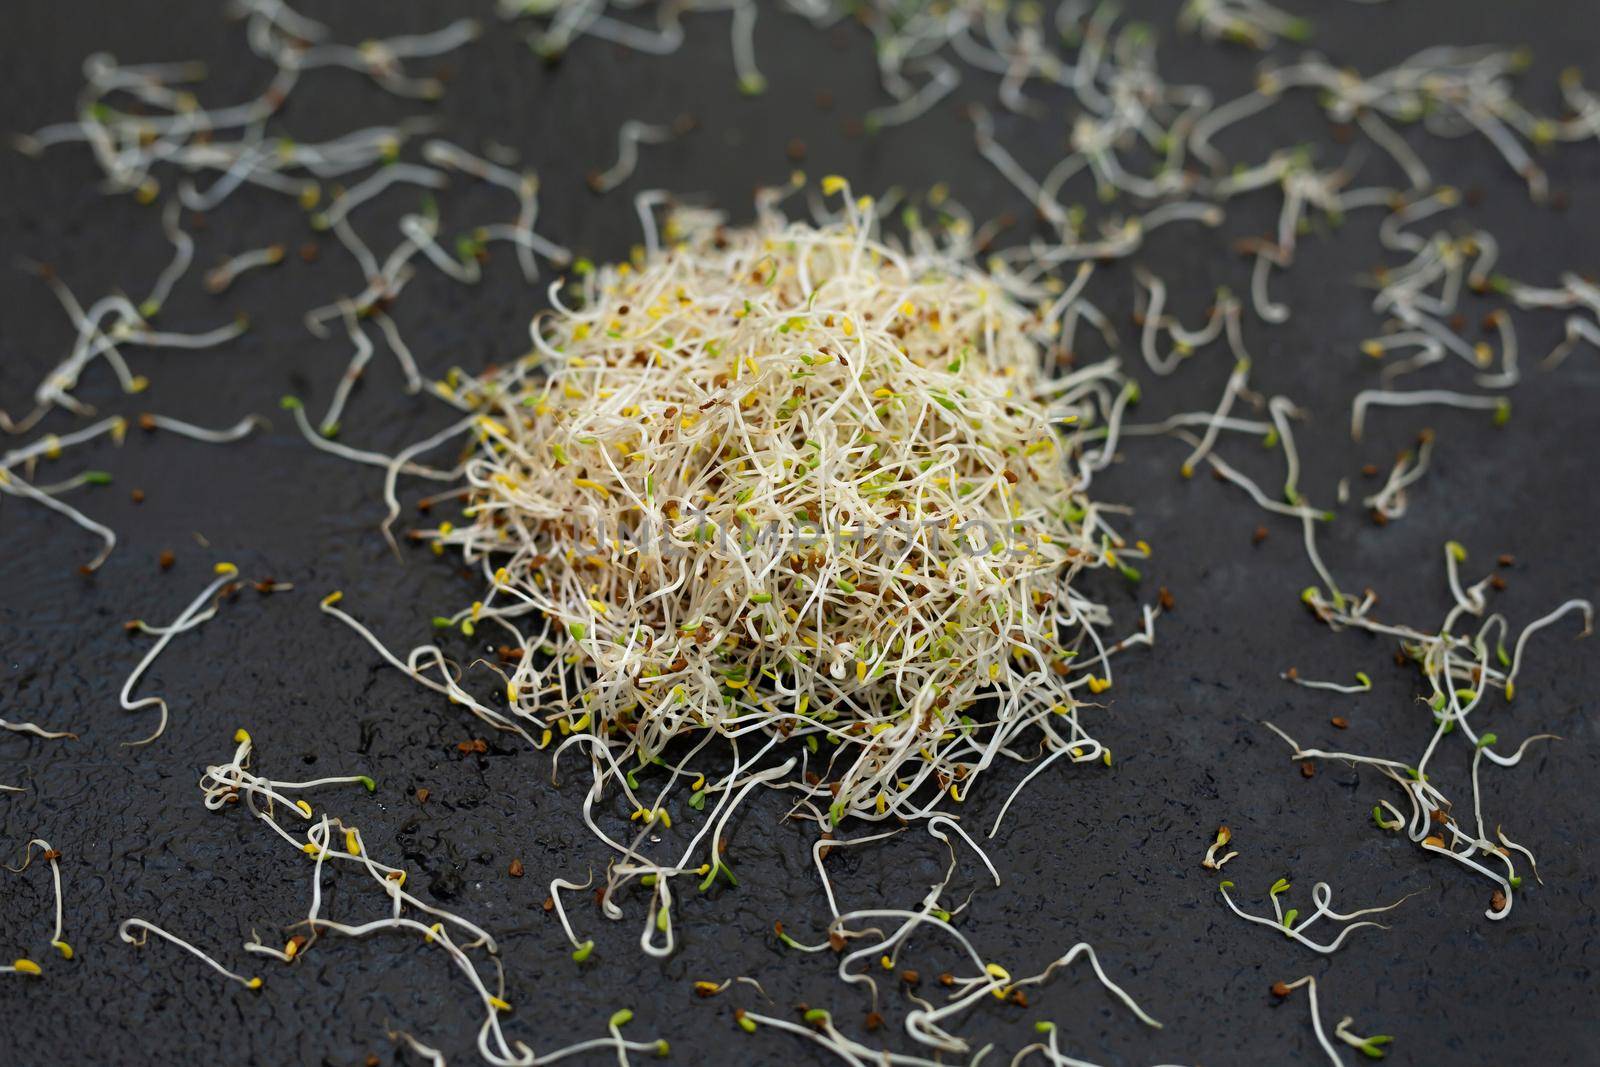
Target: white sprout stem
(1316,1017)
(629,137)
(183,255)
(1379,398)
(1236,383)
(36,730)
(1363,684)
(125,931)
(1584,607)
(1322,894)
(226,573)
(54,859)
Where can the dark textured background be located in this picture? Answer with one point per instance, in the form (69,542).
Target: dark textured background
(1107,856)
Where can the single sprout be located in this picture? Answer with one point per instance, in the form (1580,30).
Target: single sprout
(53,857)
(137,931)
(1211,861)
(1372,1046)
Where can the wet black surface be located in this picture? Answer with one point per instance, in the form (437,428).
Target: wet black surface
(1110,856)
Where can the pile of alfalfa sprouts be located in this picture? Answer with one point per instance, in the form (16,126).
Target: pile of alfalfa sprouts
(804,507)
(796,489)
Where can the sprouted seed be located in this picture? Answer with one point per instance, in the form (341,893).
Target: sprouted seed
(1284,921)
(629,137)
(36,730)
(1371,1046)
(1253,23)
(137,932)
(53,857)
(1392,499)
(431,1055)
(191,616)
(1213,862)
(1445,397)
(1362,684)
(182,256)
(219,278)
